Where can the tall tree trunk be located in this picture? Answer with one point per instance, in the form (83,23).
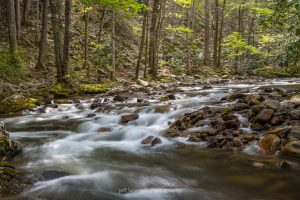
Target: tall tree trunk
(26,11)
(113,47)
(43,40)
(216,34)
(37,23)
(67,39)
(18,18)
(86,26)
(221,33)
(141,49)
(153,38)
(206,34)
(188,49)
(101,23)
(12,26)
(146,44)
(56,23)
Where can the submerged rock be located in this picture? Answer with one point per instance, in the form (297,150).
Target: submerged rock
(270,143)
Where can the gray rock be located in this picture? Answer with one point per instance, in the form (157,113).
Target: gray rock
(272,104)
(129,117)
(264,116)
(295,114)
(295,132)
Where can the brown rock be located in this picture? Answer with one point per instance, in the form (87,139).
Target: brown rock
(291,149)
(281,132)
(128,118)
(249,137)
(104,129)
(147,140)
(156,141)
(270,143)
(237,142)
(277,120)
(162,109)
(295,132)
(257,127)
(264,116)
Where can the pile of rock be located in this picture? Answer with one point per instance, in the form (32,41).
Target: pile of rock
(274,123)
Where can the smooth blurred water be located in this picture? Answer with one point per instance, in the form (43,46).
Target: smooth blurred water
(115,165)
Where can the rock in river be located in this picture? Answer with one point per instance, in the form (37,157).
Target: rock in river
(272,104)
(264,116)
(270,143)
(129,117)
(291,149)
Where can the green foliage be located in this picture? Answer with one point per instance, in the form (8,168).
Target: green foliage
(11,68)
(93,88)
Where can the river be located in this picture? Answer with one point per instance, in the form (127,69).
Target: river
(78,162)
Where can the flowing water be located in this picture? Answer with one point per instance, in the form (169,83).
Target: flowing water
(80,163)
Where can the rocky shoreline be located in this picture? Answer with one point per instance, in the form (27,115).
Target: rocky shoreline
(269,118)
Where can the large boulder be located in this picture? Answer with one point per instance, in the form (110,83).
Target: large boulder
(264,116)
(17,103)
(291,149)
(270,143)
(272,104)
(9,148)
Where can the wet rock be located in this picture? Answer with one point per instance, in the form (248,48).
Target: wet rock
(104,129)
(241,106)
(171,96)
(129,117)
(193,139)
(295,99)
(237,95)
(119,98)
(230,122)
(295,114)
(257,108)
(277,120)
(3,131)
(249,137)
(272,104)
(270,143)
(91,115)
(284,165)
(237,142)
(162,109)
(295,132)
(156,141)
(291,149)
(54,174)
(16,103)
(264,116)
(147,140)
(254,99)
(281,132)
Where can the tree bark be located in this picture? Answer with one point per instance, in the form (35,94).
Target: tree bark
(43,40)
(206,34)
(113,47)
(153,38)
(56,23)
(67,39)
(26,11)
(12,26)
(18,18)
(188,49)
(86,26)
(141,49)
(101,23)
(221,33)
(216,34)
(146,44)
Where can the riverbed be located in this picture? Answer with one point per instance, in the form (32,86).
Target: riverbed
(77,153)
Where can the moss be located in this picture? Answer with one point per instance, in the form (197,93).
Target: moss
(164,98)
(94,88)
(16,103)
(59,90)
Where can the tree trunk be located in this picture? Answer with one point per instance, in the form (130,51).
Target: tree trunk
(153,38)
(43,40)
(18,18)
(141,49)
(206,34)
(147,44)
(86,26)
(101,23)
(56,23)
(113,47)
(67,39)
(216,34)
(188,49)
(12,26)
(221,33)
(26,11)
(37,24)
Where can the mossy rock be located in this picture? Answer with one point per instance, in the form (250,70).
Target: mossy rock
(16,103)
(164,98)
(94,88)
(59,90)
(10,179)
(9,148)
